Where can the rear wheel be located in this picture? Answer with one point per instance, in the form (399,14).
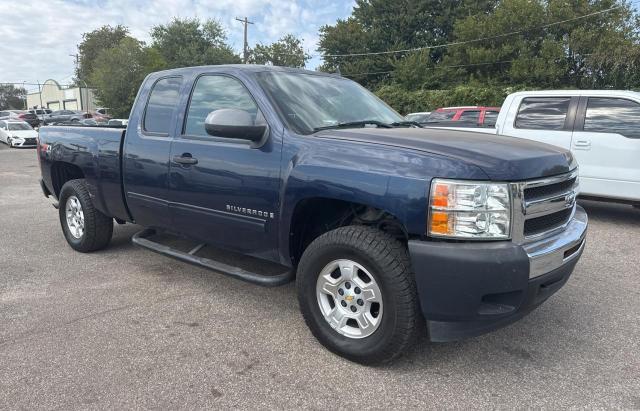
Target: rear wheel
(85,228)
(357,294)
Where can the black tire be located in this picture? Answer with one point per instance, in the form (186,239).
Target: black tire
(98,228)
(388,261)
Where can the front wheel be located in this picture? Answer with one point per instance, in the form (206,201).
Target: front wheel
(357,294)
(85,228)
(9,142)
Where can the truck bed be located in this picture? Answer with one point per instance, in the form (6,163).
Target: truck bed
(96,152)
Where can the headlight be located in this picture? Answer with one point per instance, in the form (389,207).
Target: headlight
(469,210)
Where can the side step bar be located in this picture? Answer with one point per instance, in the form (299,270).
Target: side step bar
(141,239)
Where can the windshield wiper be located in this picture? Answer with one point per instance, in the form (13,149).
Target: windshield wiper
(406,123)
(351,124)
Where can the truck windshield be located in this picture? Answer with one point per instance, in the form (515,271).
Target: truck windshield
(310,102)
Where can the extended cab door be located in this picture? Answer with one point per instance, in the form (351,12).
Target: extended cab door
(225,191)
(606,143)
(146,152)
(547,119)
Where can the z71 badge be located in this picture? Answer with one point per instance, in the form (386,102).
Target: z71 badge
(249,211)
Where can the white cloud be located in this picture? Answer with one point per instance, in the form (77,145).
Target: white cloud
(39,36)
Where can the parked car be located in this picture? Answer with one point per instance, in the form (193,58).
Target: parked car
(418,117)
(40,111)
(20,115)
(101,115)
(17,133)
(381,223)
(118,122)
(468,116)
(600,127)
(62,116)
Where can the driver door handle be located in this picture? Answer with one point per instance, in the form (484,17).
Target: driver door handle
(582,144)
(185,159)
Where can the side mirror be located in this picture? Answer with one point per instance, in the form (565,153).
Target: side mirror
(233,123)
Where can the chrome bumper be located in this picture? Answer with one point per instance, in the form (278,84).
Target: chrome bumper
(550,253)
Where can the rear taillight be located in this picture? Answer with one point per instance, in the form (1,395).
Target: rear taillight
(22,116)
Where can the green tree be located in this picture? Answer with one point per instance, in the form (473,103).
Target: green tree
(12,97)
(119,71)
(190,42)
(382,25)
(93,43)
(596,51)
(286,52)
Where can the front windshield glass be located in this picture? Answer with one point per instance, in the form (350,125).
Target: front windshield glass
(309,101)
(19,126)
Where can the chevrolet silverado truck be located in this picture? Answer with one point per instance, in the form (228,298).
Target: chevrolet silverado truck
(385,226)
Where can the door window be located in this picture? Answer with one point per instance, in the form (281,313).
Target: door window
(542,113)
(162,100)
(215,92)
(613,115)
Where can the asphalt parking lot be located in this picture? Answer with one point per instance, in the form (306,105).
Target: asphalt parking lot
(125,327)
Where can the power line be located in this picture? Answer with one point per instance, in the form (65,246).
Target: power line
(487,63)
(6,83)
(458,43)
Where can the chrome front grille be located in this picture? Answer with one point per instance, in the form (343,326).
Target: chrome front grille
(543,206)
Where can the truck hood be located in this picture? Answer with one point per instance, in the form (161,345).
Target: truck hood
(500,157)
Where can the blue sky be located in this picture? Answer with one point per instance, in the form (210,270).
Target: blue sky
(38,36)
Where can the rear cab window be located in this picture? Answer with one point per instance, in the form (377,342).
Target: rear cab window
(162,102)
(542,113)
(470,116)
(490,118)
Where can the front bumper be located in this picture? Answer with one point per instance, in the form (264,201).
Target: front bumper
(468,289)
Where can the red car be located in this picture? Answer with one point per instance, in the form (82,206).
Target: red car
(468,116)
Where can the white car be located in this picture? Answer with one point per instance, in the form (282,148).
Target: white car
(17,134)
(420,117)
(600,127)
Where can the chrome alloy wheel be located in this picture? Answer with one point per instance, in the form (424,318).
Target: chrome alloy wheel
(349,298)
(75,217)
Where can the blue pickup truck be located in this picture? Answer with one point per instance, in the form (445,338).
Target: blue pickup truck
(385,226)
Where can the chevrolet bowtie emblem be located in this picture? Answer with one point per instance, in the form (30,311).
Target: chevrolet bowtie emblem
(349,298)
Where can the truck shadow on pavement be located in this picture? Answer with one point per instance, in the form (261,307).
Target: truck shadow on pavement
(552,334)
(611,212)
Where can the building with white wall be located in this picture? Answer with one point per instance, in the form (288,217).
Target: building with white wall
(55,97)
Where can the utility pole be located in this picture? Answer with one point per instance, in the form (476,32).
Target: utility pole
(246,23)
(76,58)
(40,95)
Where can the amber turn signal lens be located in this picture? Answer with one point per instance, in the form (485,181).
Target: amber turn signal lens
(440,196)
(440,223)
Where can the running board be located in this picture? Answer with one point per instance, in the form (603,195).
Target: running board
(141,239)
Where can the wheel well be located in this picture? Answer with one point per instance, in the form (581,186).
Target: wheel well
(316,216)
(62,172)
